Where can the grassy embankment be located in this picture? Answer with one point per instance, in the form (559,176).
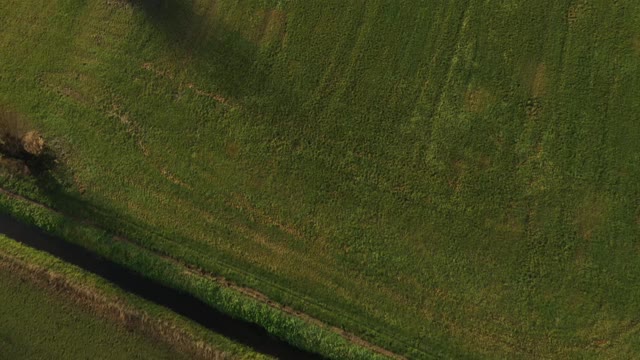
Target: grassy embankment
(54,310)
(236,301)
(36,326)
(439,177)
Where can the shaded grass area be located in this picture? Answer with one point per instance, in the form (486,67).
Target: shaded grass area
(445,178)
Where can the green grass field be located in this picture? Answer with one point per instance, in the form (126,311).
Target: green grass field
(34,324)
(451,178)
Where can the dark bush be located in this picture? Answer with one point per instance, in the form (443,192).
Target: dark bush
(19,146)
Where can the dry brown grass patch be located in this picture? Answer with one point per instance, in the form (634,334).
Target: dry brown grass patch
(72,94)
(577,9)
(477,100)
(263,241)
(173,178)
(33,143)
(168,74)
(240,202)
(161,73)
(132,127)
(635,43)
(273,27)
(539,83)
(511,224)
(232,150)
(535,78)
(217,97)
(581,258)
(590,215)
(459,169)
(73,86)
(533,108)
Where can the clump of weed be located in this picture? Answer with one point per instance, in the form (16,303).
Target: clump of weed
(33,143)
(533,107)
(576,10)
(20,147)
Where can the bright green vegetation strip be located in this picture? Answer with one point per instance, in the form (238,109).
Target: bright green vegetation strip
(455,178)
(53,310)
(37,325)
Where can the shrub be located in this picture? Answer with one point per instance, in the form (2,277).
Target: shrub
(17,144)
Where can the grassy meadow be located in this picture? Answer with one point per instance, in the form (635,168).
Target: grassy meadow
(36,325)
(450,179)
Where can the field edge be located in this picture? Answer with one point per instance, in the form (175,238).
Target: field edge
(294,327)
(92,293)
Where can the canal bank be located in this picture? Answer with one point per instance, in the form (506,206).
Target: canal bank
(186,305)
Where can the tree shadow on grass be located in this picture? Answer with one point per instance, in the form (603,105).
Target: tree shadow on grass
(214,52)
(234,64)
(207,45)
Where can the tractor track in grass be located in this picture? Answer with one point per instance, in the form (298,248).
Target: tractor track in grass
(195,271)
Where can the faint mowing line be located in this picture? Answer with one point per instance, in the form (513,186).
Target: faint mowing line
(464,21)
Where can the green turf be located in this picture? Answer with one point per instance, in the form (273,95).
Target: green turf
(455,177)
(34,324)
